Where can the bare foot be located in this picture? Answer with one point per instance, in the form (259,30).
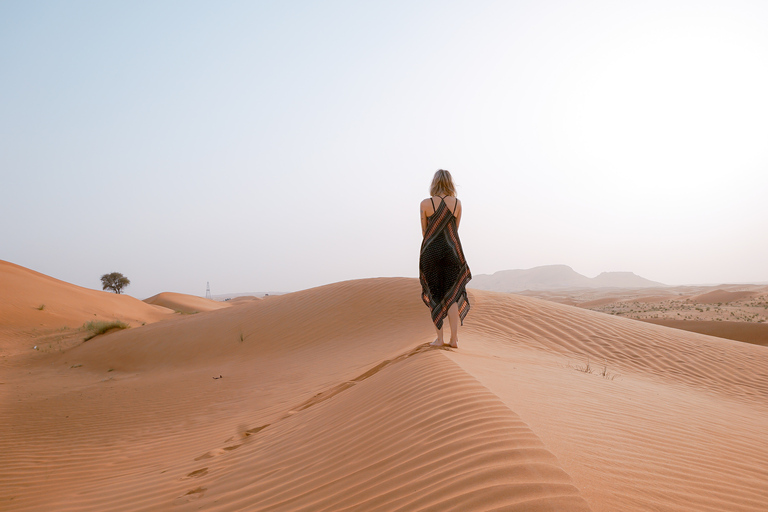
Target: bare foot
(436,343)
(454,344)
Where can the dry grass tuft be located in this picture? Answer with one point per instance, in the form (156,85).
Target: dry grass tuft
(98,328)
(588,368)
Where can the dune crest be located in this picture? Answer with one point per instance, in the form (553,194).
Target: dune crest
(723,296)
(183,303)
(419,434)
(36,309)
(675,424)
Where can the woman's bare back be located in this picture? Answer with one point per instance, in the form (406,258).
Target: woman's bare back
(428,209)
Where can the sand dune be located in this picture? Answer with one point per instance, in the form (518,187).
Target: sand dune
(590,298)
(417,435)
(723,296)
(739,313)
(678,428)
(329,400)
(36,309)
(183,303)
(244,298)
(741,331)
(593,303)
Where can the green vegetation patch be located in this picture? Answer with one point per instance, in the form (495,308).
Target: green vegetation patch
(98,328)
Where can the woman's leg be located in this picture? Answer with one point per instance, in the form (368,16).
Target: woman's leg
(439,340)
(453,319)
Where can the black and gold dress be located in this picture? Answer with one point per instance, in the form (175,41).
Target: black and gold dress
(443,270)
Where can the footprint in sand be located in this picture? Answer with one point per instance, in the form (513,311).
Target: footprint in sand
(197,473)
(210,454)
(254,430)
(191,495)
(213,453)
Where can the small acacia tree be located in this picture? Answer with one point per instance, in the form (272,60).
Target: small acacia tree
(114,281)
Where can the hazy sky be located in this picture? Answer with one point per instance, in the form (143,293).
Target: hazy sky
(280,145)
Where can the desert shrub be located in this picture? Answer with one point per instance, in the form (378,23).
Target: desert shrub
(98,328)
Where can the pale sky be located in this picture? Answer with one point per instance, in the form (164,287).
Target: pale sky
(281,145)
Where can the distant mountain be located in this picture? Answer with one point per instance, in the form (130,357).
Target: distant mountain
(554,277)
(623,280)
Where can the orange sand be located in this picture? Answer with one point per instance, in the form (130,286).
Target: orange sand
(182,303)
(37,310)
(328,400)
(723,296)
(742,331)
(244,298)
(740,313)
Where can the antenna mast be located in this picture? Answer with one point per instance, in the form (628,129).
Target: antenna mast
(208,290)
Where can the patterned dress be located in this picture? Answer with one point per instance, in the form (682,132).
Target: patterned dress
(443,271)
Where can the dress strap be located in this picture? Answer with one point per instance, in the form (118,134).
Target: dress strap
(433,204)
(455,205)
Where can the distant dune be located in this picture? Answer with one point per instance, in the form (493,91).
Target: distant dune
(184,303)
(36,308)
(232,296)
(722,296)
(244,298)
(741,331)
(733,311)
(329,399)
(553,277)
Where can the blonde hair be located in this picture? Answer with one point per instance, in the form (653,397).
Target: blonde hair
(442,184)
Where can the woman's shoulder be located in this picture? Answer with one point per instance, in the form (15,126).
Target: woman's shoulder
(435,200)
(439,198)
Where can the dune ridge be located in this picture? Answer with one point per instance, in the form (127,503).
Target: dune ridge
(755,333)
(328,399)
(723,296)
(423,435)
(675,426)
(702,362)
(184,303)
(737,312)
(36,309)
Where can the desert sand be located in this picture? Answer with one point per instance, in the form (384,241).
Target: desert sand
(737,312)
(329,400)
(42,311)
(187,304)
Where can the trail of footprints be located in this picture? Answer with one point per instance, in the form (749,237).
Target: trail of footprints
(318,398)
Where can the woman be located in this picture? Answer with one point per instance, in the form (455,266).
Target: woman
(443,271)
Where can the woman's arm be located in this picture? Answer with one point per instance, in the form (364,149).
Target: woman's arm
(458,213)
(423,219)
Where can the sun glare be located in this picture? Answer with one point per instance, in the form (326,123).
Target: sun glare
(669,100)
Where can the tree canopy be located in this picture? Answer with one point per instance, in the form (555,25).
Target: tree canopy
(114,281)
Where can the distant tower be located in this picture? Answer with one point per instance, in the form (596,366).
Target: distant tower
(208,290)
